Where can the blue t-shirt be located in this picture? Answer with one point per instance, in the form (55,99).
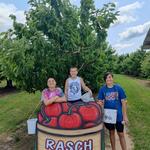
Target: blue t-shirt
(112,99)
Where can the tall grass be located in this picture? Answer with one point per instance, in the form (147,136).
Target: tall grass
(16,108)
(138,110)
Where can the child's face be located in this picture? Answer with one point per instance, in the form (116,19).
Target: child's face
(73,72)
(109,80)
(51,83)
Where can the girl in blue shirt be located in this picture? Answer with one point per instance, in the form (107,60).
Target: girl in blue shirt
(112,96)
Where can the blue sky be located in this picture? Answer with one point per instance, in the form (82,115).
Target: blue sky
(126,35)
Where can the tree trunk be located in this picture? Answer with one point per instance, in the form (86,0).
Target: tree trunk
(9,84)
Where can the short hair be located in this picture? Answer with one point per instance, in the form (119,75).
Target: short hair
(73,67)
(106,74)
(51,78)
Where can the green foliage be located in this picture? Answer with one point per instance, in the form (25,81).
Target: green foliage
(58,35)
(146,65)
(130,64)
(118,66)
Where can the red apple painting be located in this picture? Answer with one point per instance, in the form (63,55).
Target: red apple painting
(72,116)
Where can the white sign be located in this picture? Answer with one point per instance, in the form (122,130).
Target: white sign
(110,116)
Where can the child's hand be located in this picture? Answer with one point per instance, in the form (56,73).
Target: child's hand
(55,98)
(125,119)
(101,103)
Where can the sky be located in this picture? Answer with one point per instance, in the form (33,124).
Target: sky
(126,35)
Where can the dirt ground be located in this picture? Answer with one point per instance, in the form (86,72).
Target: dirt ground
(18,140)
(129,142)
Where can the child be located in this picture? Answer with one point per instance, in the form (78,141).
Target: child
(52,94)
(113,97)
(73,86)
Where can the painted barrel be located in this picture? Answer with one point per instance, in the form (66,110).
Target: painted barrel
(82,139)
(70,127)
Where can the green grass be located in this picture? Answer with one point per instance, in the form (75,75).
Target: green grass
(138,110)
(15,109)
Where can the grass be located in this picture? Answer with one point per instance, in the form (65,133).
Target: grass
(15,109)
(138,110)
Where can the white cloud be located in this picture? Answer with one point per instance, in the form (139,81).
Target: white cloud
(130,7)
(5,11)
(119,46)
(127,13)
(125,19)
(123,48)
(135,31)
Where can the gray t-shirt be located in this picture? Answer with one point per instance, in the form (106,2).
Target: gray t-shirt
(74,89)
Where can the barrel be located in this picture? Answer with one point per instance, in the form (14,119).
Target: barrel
(81,139)
(70,126)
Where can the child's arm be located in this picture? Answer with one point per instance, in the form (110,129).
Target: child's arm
(49,101)
(100,102)
(85,88)
(45,98)
(60,99)
(66,88)
(100,98)
(124,110)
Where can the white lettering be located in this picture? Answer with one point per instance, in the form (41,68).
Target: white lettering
(49,144)
(88,145)
(69,145)
(79,145)
(60,145)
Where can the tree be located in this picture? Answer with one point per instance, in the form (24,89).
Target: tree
(136,59)
(130,64)
(56,36)
(119,66)
(146,66)
(3,67)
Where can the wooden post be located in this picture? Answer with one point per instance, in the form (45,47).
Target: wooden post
(103,139)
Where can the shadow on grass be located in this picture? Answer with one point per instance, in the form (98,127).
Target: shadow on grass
(6,90)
